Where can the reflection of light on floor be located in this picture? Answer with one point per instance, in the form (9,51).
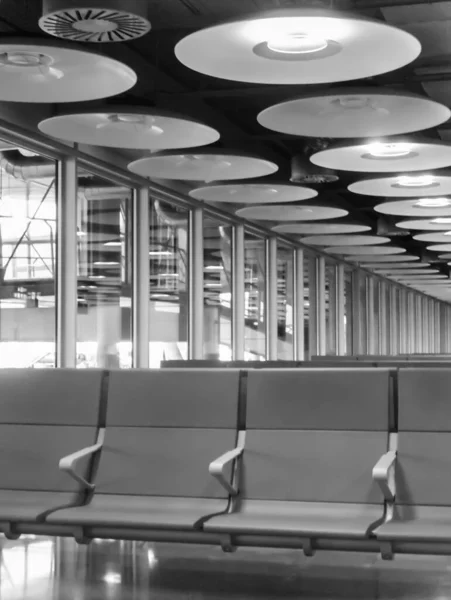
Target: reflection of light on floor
(22,565)
(151,557)
(112,578)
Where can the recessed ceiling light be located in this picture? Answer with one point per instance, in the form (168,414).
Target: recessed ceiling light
(136,121)
(433,202)
(393,150)
(415,180)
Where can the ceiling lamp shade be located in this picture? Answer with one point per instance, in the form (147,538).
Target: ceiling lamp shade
(381,267)
(435,224)
(385,157)
(437,238)
(129,127)
(368,260)
(444,256)
(440,247)
(420,207)
(304,171)
(422,277)
(253,193)
(405,272)
(354,113)
(95,20)
(291,213)
(369,250)
(344,240)
(404,186)
(44,71)
(320,228)
(203,165)
(298,46)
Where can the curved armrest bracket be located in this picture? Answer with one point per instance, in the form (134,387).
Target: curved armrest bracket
(217,467)
(69,463)
(384,476)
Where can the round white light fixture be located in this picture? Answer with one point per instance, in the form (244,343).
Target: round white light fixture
(434,224)
(345,240)
(437,238)
(129,127)
(406,186)
(50,72)
(405,266)
(320,228)
(369,250)
(291,213)
(204,165)
(369,259)
(253,193)
(405,272)
(379,157)
(440,247)
(298,46)
(422,277)
(354,113)
(444,256)
(413,208)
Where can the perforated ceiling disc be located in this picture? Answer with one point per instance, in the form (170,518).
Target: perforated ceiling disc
(354,113)
(438,238)
(385,156)
(344,240)
(404,186)
(206,165)
(440,247)
(253,193)
(419,207)
(291,213)
(58,72)
(369,250)
(320,228)
(435,224)
(298,46)
(127,127)
(368,260)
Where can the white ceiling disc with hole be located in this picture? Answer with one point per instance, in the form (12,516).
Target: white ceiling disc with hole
(354,113)
(202,166)
(435,224)
(405,266)
(320,228)
(370,260)
(54,72)
(440,247)
(291,213)
(301,46)
(412,208)
(344,240)
(393,156)
(437,238)
(444,256)
(404,186)
(130,127)
(405,272)
(369,250)
(253,193)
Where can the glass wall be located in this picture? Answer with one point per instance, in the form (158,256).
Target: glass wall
(331,308)
(254,298)
(104,274)
(285,347)
(28,229)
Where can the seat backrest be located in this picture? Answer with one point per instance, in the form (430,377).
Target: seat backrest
(315,435)
(45,414)
(424,439)
(164,427)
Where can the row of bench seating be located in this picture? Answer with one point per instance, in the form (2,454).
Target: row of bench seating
(352,459)
(320,362)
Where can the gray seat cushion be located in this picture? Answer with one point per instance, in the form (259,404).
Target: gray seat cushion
(28,506)
(418,523)
(140,511)
(298,518)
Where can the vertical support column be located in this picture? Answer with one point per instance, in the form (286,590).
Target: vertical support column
(317,313)
(66,264)
(140,278)
(271,299)
(425,323)
(383,346)
(370,328)
(340,334)
(402,321)
(410,323)
(418,324)
(394,321)
(298,304)
(238,293)
(196,284)
(437,329)
(356,313)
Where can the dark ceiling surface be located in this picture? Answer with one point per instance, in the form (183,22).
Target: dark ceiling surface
(232,107)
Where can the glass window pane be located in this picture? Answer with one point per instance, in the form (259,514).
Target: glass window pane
(28,211)
(254,298)
(285,347)
(104,274)
(331,308)
(363,329)
(307,259)
(348,311)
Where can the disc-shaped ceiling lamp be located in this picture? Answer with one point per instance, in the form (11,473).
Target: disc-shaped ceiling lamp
(385,156)
(298,46)
(354,113)
(425,277)
(405,272)
(440,247)
(437,238)
(345,240)
(381,267)
(291,213)
(368,259)
(204,165)
(420,207)
(47,71)
(404,186)
(253,193)
(435,224)
(320,228)
(444,256)
(369,250)
(129,127)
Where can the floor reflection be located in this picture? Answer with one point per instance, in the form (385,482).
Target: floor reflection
(58,569)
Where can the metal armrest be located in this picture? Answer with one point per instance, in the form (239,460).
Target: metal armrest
(383,477)
(218,466)
(68,464)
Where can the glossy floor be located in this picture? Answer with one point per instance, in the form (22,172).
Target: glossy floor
(49,569)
